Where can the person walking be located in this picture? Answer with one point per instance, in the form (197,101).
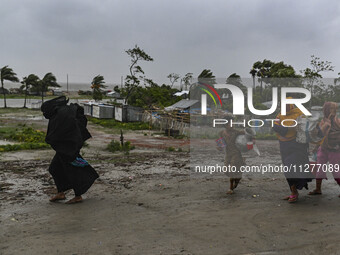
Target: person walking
(66,133)
(294,155)
(329,150)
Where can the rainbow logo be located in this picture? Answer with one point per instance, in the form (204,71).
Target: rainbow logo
(207,86)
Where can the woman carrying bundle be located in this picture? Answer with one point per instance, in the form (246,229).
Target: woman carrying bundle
(294,155)
(233,156)
(66,133)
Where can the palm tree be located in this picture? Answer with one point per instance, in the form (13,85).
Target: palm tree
(97,85)
(49,80)
(7,74)
(253,74)
(27,82)
(259,69)
(207,76)
(236,80)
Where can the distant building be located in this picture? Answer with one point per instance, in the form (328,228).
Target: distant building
(113,94)
(181,93)
(2,91)
(183,105)
(14,91)
(57,92)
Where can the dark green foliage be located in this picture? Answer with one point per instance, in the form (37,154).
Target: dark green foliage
(28,137)
(312,75)
(136,73)
(23,146)
(28,82)
(97,95)
(114,146)
(153,96)
(7,74)
(170,149)
(28,134)
(206,76)
(97,85)
(41,86)
(273,74)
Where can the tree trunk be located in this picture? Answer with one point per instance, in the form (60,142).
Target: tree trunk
(3,91)
(25,98)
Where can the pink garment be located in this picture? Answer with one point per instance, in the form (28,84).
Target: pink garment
(333,157)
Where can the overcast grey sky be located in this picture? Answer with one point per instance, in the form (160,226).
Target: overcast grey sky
(84,38)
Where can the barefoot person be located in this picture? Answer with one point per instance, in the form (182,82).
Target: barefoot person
(329,150)
(233,156)
(66,133)
(293,154)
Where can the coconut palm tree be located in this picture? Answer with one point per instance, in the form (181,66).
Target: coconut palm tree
(49,80)
(253,73)
(236,80)
(27,82)
(97,85)
(207,76)
(7,74)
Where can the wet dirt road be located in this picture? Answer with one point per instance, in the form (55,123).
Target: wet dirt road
(149,203)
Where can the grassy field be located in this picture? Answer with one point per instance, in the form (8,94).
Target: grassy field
(26,138)
(111,123)
(21,111)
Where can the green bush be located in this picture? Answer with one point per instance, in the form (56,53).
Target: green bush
(114,146)
(23,146)
(28,135)
(29,138)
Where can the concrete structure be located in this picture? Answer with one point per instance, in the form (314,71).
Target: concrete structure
(128,113)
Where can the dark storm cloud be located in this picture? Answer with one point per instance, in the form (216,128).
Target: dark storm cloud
(85,38)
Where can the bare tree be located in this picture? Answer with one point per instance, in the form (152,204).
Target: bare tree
(173,77)
(136,72)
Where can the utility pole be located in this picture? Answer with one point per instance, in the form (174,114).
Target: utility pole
(67,83)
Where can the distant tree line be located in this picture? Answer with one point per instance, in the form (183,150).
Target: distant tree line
(265,75)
